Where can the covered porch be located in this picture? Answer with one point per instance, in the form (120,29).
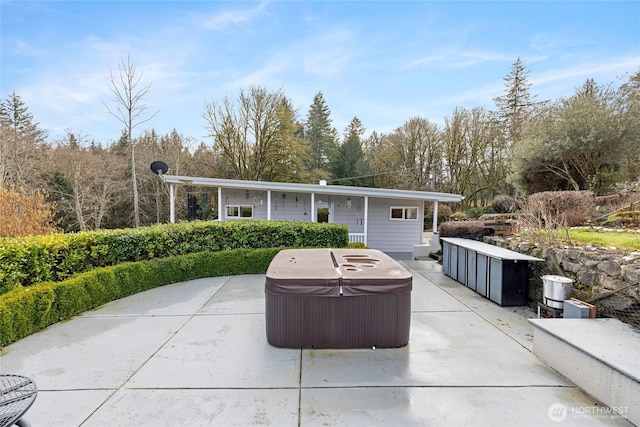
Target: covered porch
(373,215)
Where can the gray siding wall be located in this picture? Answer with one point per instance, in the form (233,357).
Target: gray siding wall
(383,233)
(393,236)
(343,214)
(290,209)
(286,208)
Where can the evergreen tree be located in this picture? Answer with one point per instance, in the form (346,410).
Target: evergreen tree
(15,114)
(350,166)
(320,134)
(22,145)
(517,104)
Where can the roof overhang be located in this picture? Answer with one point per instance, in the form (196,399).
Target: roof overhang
(311,188)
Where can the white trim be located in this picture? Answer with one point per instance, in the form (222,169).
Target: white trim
(404,213)
(239,208)
(366,219)
(435,216)
(312,188)
(268,205)
(172,203)
(324,205)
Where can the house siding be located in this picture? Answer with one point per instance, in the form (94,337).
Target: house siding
(285,209)
(352,215)
(393,236)
(383,233)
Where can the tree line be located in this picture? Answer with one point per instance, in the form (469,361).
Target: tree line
(590,140)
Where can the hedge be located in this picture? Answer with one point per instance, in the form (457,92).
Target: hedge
(56,257)
(24,311)
(474,230)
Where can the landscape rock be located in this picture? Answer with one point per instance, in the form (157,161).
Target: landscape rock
(617,302)
(631,273)
(611,267)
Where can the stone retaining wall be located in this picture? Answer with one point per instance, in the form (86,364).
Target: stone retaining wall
(608,278)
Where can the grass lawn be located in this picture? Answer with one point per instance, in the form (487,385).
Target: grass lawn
(623,240)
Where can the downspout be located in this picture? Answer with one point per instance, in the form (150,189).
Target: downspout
(221,208)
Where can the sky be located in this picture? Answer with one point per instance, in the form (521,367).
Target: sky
(383,62)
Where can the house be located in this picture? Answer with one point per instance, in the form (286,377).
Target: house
(384,219)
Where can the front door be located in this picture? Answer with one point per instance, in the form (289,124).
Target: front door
(324,212)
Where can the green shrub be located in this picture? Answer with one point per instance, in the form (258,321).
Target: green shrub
(624,219)
(459,215)
(478,212)
(57,257)
(24,311)
(357,245)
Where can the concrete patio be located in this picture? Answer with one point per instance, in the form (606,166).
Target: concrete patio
(195,353)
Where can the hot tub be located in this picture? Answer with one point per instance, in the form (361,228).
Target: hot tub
(337,298)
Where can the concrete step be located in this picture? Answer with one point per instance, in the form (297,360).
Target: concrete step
(601,356)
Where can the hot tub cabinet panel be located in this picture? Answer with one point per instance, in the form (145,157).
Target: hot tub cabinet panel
(337,298)
(496,273)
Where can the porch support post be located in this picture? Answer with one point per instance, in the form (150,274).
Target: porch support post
(434,243)
(313,207)
(268,205)
(172,203)
(435,216)
(221,207)
(366,218)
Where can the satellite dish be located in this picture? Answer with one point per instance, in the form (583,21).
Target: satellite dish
(159,168)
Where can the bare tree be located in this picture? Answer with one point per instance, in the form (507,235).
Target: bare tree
(468,140)
(255,135)
(409,156)
(130,110)
(83,181)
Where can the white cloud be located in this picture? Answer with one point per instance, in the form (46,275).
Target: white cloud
(459,58)
(609,67)
(236,17)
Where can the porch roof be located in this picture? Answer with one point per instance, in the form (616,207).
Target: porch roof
(312,188)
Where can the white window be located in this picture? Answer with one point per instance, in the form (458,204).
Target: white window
(403,213)
(239,211)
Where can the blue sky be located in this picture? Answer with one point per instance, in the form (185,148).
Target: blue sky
(383,62)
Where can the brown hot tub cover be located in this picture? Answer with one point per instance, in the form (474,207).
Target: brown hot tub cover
(337,298)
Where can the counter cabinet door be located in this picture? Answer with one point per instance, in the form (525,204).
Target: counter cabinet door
(471,269)
(482,271)
(495,280)
(462,265)
(453,264)
(446,258)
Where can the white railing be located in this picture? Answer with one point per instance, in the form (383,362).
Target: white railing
(356,237)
